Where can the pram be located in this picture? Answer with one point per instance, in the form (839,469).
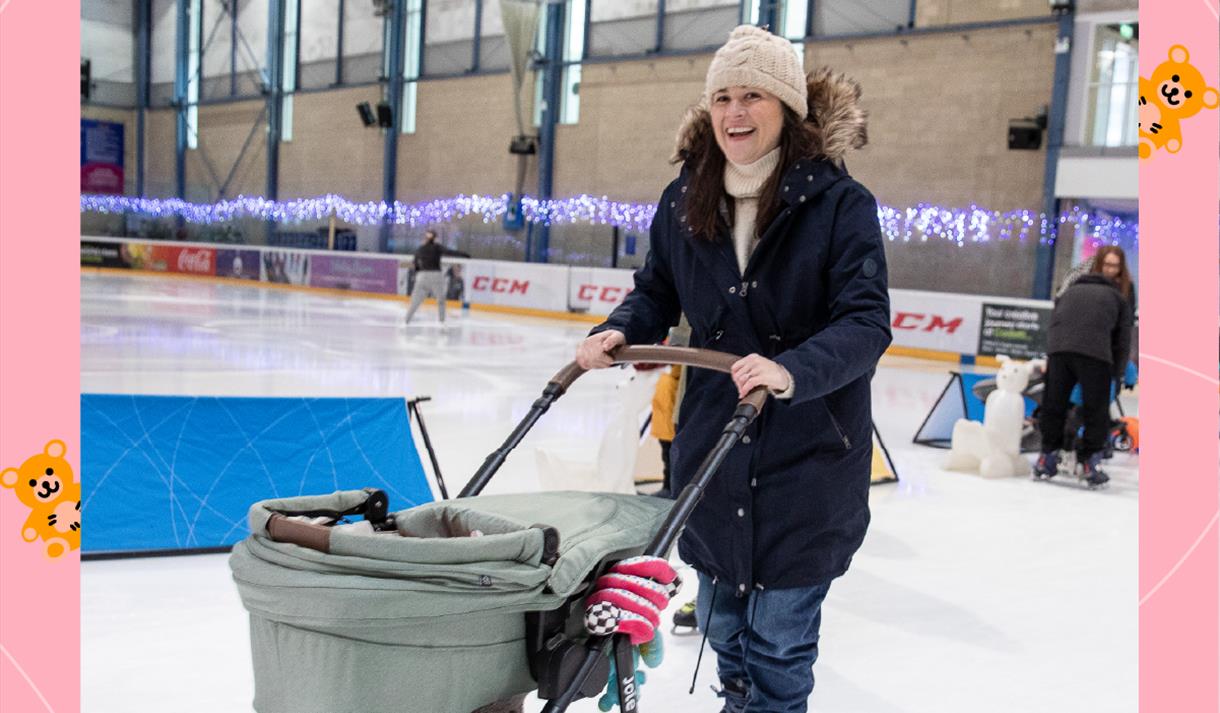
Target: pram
(455,605)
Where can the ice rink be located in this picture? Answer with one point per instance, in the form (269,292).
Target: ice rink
(968,595)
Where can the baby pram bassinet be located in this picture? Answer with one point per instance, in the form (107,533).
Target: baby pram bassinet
(456,604)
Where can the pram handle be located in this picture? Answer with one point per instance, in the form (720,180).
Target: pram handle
(658,354)
(558,385)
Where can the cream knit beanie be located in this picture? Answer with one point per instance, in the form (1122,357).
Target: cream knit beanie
(753,57)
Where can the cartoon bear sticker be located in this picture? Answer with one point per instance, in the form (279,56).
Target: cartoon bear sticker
(44,483)
(1176,91)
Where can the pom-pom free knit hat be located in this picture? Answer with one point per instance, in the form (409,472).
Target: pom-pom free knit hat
(753,57)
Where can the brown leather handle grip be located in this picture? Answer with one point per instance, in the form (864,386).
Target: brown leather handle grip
(654,354)
(283,529)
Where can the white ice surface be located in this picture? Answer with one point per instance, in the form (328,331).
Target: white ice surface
(968,595)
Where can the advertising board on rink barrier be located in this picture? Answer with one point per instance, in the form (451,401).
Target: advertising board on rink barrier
(956,324)
(517,284)
(378,275)
(934,320)
(598,290)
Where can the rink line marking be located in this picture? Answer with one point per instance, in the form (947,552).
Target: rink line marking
(1209,379)
(1181,561)
(17,666)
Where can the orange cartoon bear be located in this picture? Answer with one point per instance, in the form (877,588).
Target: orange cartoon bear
(1176,91)
(44,483)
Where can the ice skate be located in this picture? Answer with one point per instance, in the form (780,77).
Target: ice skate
(1047,466)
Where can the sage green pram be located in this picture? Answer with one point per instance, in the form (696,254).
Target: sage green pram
(452,605)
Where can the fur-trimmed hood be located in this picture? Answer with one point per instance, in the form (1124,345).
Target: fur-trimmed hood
(833,107)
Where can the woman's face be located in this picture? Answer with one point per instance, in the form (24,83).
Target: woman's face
(1111,265)
(747,122)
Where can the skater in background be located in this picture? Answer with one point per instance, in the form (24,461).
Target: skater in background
(1088,343)
(773,251)
(429,280)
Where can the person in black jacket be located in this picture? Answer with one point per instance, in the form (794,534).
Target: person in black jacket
(772,251)
(429,280)
(1088,343)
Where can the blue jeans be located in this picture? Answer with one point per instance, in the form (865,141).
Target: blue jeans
(765,644)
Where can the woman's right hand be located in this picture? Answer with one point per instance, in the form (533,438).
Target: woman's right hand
(594,352)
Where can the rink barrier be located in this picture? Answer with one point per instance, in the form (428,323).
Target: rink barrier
(965,329)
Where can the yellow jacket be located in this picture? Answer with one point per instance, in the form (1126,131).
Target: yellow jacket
(664,400)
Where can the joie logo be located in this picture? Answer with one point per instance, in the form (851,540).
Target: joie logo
(628,687)
(603,293)
(925,322)
(195,261)
(500,285)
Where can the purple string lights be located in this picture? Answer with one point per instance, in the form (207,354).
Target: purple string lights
(921,223)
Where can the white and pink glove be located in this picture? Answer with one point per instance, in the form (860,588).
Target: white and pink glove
(630,597)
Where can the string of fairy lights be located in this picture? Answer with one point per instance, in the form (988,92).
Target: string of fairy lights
(921,223)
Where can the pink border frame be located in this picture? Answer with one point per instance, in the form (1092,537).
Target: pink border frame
(1179,606)
(1179,504)
(40,332)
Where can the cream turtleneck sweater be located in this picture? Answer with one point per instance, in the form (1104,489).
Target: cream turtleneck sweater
(744,182)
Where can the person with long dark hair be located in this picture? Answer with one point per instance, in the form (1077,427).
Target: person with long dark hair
(1088,343)
(772,251)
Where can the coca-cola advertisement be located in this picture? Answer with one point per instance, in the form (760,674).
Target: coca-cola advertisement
(186,260)
(238,264)
(353,273)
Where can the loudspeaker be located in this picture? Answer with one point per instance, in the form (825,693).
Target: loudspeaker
(366,113)
(385,115)
(86,78)
(523,145)
(1024,134)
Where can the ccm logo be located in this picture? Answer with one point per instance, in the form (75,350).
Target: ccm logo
(925,322)
(602,294)
(501,285)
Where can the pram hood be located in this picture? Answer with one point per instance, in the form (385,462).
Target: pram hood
(433,566)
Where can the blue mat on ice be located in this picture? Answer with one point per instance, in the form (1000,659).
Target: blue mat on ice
(180,472)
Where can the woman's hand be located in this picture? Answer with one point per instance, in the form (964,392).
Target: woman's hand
(750,372)
(594,352)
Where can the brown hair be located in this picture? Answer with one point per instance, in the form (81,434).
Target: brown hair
(703,158)
(1123,279)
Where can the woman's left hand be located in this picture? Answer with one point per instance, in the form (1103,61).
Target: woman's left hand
(750,372)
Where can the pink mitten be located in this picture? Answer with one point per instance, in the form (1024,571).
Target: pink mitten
(629,598)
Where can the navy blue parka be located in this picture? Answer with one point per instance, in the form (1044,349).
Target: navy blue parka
(789,506)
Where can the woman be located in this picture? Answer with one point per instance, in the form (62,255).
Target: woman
(773,251)
(1111,262)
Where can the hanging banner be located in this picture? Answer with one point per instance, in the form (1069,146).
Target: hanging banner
(101,157)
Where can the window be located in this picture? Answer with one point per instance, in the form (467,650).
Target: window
(449,36)
(1113,86)
(288,85)
(847,17)
(193,70)
(698,24)
(622,28)
(414,29)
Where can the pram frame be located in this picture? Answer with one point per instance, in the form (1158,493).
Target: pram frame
(318,537)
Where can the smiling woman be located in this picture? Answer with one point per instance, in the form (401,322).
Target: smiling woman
(772,251)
